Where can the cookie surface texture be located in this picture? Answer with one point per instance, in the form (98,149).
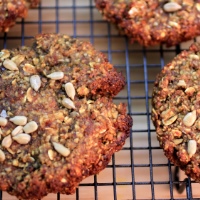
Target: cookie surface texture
(152,22)
(176,110)
(58,122)
(11,10)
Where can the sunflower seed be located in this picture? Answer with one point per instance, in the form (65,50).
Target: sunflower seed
(190,118)
(133,11)
(22,138)
(3,121)
(35,82)
(4,54)
(166,114)
(189,91)
(61,149)
(171,7)
(10,151)
(17,130)
(74,114)
(170,120)
(31,159)
(198,6)
(19,120)
(177,141)
(70,90)
(9,64)
(2,156)
(51,154)
(30,94)
(173,24)
(181,83)
(194,56)
(63,180)
(30,127)
(56,75)
(68,103)
(15,162)
(30,69)
(7,141)
(18,59)
(192,147)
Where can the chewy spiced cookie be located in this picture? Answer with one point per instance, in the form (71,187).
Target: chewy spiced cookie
(151,22)
(11,10)
(58,123)
(176,110)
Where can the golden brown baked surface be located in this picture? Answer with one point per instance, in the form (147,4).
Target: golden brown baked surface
(11,10)
(151,22)
(58,122)
(176,110)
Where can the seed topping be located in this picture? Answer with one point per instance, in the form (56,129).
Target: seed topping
(51,154)
(190,118)
(30,127)
(18,59)
(2,156)
(178,141)
(9,64)
(19,120)
(61,149)
(170,120)
(192,147)
(70,90)
(17,130)
(7,141)
(30,69)
(56,75)
(22,138)
(3,121)
(35,82)
(171,7)
(68,103)
(4,54)
(181,83)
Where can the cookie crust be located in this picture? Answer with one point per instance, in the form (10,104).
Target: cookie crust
(176,110)
(153,22)
(70,140)
(11,10)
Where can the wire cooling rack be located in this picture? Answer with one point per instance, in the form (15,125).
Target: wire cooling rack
(140,170)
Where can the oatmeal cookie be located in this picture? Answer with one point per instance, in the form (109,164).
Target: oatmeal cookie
(11,10)
(58,123)
(151,22)
(176,110)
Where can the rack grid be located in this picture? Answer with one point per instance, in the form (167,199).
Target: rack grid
(140,170)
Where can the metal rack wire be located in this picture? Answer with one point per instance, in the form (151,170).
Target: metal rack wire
(140,170)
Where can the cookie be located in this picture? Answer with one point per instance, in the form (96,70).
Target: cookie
(11,10)
(58,122)
(176,110)
(153,22)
